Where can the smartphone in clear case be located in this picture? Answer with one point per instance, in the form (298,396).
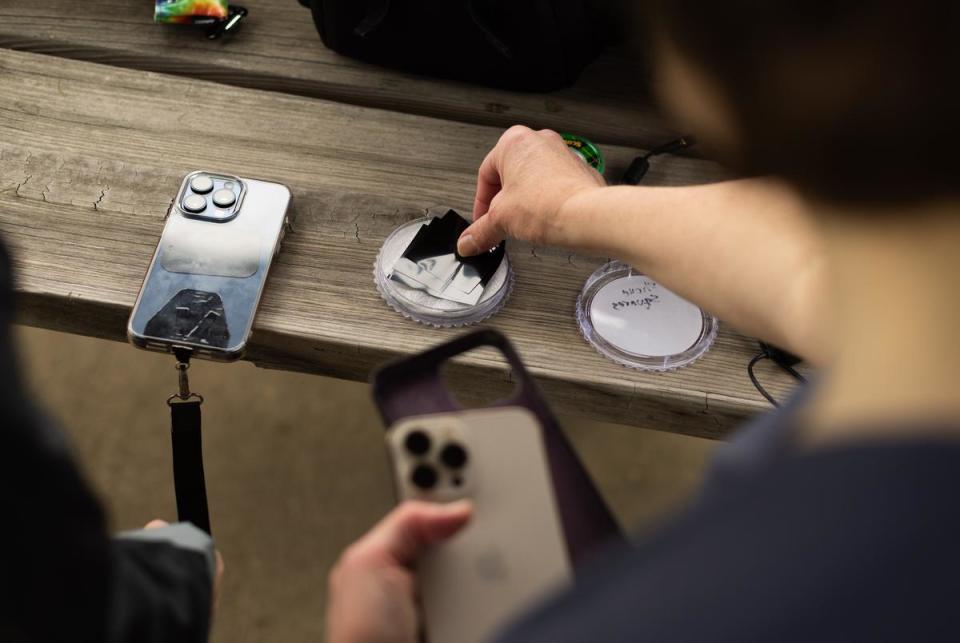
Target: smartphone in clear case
(204,283)
(512,554)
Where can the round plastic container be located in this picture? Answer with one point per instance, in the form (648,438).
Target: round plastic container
(634,321)
(423,307)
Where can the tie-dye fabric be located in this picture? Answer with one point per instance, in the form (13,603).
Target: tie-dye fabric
(190,11)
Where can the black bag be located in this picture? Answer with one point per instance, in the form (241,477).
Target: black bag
(529,45)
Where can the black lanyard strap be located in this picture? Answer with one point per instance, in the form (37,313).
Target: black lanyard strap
(188,480)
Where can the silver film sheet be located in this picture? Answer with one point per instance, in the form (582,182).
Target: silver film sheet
(443,275)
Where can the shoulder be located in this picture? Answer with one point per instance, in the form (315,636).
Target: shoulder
(852,544)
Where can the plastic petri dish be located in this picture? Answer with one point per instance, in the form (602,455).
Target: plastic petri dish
(423,307)
(634,321)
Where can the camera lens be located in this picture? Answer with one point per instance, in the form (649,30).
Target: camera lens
(417,443)
(424,477)
(454,456)
(194,203)
(224,198)
(201,184)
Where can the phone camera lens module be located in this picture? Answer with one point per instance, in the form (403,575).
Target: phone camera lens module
(194,203)
(424,477)
(454,456)
(417,443)
(201,184)
(223,198)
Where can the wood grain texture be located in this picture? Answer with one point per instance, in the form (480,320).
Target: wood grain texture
(278,49)
(90,156)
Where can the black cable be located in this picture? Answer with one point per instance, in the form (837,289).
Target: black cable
(756,382)
(792,371)
(672,147)
(641,165)
(781,358)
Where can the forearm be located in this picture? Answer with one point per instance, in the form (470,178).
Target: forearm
(744,250)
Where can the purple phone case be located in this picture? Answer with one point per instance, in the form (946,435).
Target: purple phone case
(414,386)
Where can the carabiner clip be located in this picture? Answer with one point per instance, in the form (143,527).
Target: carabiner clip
(183,383)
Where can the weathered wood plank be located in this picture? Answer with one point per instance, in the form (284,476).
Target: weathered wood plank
(90,156)
(278,49)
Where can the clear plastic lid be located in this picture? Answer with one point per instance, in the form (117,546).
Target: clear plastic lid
(634,321)
(419,305)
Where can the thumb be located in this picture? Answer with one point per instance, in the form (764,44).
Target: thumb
(157,524)
(407,531)
(484,233)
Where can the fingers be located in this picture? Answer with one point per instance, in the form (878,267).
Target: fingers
(217,580)
(521,186)
(405,532)
(490,176)
(483,234)
(157,524)
(488,183)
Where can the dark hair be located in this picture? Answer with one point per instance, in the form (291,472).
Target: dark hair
(850,100)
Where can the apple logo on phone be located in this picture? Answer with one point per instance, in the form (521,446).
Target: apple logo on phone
(491,565)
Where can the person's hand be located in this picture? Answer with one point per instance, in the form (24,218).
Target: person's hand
(217,578)
(522,187)
(372,586)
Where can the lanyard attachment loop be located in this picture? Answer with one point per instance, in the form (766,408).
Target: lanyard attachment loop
(183,381)
(188,479)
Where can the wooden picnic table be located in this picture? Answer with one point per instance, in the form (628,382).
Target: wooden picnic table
(94,141)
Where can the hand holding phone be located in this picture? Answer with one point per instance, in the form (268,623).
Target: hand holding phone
(372,593)
(512,553)
(415,386)
(512,459)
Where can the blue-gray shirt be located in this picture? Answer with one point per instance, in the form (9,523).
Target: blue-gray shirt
(847,543)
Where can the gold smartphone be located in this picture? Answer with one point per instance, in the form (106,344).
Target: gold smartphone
(512,554)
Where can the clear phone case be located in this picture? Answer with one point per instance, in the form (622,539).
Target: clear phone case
(205,281)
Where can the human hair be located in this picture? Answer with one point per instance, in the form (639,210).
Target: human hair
(852,101)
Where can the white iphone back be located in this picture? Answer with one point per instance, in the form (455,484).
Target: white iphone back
(512,553)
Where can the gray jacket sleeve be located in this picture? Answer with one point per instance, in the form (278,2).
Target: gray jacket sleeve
(163,585)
